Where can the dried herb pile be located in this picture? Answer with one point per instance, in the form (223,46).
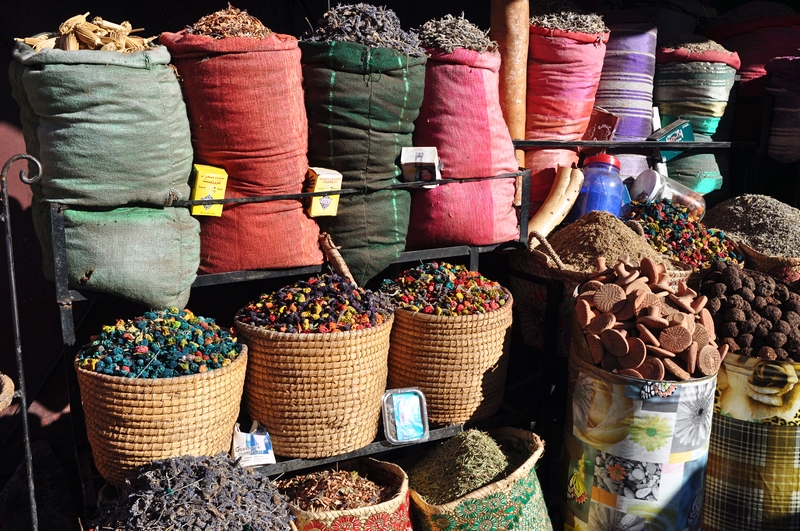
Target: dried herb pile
(208,493)
(334,490)
(230,22)
(366,24)
(324,304)
(449,33)
(695,44)
(599,233)
(458,466)
(76,33)
(752,11)
(566,16)
(760,221)
(440,288)
(160,344)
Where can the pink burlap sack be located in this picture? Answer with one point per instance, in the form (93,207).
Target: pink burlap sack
(244,98)
(461,116)
(563,74)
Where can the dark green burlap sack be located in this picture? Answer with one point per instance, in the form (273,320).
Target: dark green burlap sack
(146,255)
(361,104)
(110,129)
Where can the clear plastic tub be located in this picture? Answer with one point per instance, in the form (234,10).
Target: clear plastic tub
(652,186)
(405,416)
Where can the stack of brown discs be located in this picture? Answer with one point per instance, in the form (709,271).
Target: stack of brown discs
(637,325)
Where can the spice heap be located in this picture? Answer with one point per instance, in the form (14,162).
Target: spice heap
(566,16)
(366,24)
(76,33)
(695,44)
(443,289)
(754,315)
(334,490)
(762,222)
(324,304)
(159,344)
(230,22)
(599,233)
(449,33)
(752,11)
(209,493)
(637,325)
(671,230)
(458,466)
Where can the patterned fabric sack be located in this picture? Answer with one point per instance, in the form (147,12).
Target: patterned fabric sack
(515,502)
(753,477)
(391,515)
(637,450)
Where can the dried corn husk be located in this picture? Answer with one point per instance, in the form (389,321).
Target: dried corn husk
(76,33)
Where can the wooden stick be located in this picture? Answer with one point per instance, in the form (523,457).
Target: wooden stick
(334,257)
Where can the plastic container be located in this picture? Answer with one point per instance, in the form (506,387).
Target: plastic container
(653,186)
(602,187)
(405,416)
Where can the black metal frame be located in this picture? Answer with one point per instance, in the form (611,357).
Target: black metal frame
(5,216)
(65,296)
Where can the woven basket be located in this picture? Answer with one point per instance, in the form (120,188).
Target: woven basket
(391,515)
(6,391)
(131,422)
(459,362)
(516,502)
(785,269)
(318,395)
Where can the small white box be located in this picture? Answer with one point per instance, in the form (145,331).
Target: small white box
(420,164)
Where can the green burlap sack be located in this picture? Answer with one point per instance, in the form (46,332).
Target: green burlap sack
(147,255)
(361,104)
(110,129)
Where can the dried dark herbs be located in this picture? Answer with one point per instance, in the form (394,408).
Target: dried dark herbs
(449,33)
(230,22)
(334,490)
(208,493)
(366,24)
(695,44)
(566,16)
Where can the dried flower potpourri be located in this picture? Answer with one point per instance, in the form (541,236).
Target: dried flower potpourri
(449,33)
(76,33)
(324,304)
(230,22)
(566,16)
(443,289)
(160,344)
(366,24)
(208,493)
(671,230)
(334,490)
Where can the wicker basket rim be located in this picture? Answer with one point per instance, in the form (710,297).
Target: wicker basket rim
(761,256)
(370,509)
(337,336)
(499,485)
(159,382)
(456,318)
(674,267)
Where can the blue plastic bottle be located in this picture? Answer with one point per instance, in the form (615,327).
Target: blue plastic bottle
(602,187)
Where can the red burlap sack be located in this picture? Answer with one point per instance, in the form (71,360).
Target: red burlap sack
(563,74)
(461,116)
(246,111)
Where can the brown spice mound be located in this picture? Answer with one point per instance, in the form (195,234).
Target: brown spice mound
(596,234)
(695,44)
(449,33)
(230,22)
(334,490)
